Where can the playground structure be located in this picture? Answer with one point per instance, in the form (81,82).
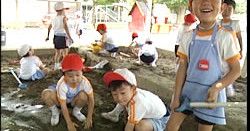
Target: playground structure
(115,16)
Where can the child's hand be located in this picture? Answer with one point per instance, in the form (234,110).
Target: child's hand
(47,39)
(212,95)
(175,103)
(71,40)
(88,123)
(72,126)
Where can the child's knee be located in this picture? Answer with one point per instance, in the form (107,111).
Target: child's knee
(82,96)
(47,94)
(46,71)
(141,126)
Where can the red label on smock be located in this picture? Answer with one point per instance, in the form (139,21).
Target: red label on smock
(203,64)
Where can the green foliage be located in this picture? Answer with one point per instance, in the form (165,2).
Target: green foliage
(173,4)
(241,8)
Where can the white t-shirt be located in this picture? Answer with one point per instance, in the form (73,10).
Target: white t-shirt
(183,28)
(148,50)
(62,88)
(110,39)
(57,24)
(226,43)
(235,25)
(29,66)
(145,104)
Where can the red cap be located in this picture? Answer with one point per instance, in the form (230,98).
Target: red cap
(101,27)
(190,18)
(120,74)
(135,34)
(72,62)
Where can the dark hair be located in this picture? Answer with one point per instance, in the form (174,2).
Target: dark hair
(149,42)
(26,55)
(117,84)
(133,37)
(230,2)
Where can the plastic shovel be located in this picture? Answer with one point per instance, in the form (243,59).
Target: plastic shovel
(187,105)
(100,65)
(21,85)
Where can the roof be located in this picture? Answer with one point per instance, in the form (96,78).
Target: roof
(161,10)
(143,7)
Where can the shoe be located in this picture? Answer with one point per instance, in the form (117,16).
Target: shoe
(230,91)
(55,117)
(110,116)
(103,52)
(153,65)
(79,116)
(57,67)
(113,54)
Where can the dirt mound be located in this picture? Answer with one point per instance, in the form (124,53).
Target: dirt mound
(159,80)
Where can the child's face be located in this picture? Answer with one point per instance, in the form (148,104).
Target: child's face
(206,11)
(101,32)
(228,11)
(123,94)
(73,77)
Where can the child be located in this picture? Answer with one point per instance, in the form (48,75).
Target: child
(73,90)
(62,37)
(145,110)
(233,25)
(244,68)
(107,41)
(78,23)
(31,67)
(209,62)
(148,53)
(138,43)
(189,21)
(230,24)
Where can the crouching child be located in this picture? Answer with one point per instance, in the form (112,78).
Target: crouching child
(72,90)
(145,110)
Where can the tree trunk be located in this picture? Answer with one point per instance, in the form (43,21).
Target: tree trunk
(93,14)
(148,18)
(180,14)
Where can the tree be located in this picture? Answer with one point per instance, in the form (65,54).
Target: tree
(241,7)
(178,6)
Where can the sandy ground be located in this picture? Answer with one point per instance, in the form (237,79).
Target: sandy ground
(22,109)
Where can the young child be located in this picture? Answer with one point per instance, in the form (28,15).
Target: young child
(108,42)
(209,62)
(62,38)
(233,25)
(145,110)
(230,24)
(31,67)
(188,24)
(138,41)
(78,23)
(73,90)
(148,53)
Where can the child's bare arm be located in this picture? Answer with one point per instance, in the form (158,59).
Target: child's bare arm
(229,78)
(129,127)
(179,82)
(102,43)
(71,125)
(49,28)
(88,122)
(67,29)
(180,77)
(238,35)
